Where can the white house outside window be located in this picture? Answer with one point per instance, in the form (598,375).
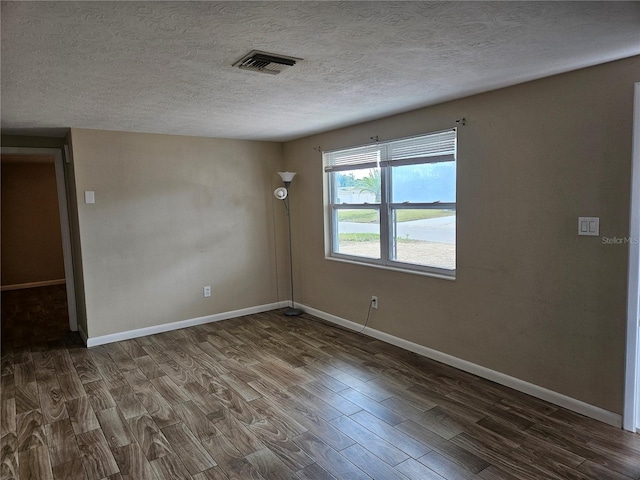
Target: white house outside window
(393,204)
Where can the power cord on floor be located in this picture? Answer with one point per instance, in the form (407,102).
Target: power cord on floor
(368,315)
(339,327)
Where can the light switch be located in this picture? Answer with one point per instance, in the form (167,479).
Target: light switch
(589,226)
(89,196)
(584,227)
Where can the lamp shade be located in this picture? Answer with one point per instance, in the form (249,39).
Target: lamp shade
(287,176)
(280,193)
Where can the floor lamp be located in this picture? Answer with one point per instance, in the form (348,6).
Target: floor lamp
(282,193)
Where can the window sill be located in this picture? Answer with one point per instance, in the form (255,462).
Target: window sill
(424,273)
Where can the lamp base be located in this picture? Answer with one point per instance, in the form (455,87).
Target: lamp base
(292,312)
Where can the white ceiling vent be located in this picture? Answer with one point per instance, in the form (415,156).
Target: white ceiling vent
(264,62)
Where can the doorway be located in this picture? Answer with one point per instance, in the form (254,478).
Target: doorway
(52,281)
(631,414)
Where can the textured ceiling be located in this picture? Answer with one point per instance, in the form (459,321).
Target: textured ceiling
(165,67)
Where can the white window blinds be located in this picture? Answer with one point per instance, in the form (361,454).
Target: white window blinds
(352,158)
(431,148)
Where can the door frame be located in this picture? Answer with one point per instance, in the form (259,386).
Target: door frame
(631,414)
(65,226)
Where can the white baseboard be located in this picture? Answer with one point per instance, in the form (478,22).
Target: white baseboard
(537,391)
(166,327)
(44,283)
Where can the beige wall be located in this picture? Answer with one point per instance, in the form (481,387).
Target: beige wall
(531,299)
(173,214)
(31,239)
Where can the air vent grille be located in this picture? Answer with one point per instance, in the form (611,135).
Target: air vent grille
(264,62)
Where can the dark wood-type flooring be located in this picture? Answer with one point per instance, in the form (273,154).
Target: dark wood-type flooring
(271,397)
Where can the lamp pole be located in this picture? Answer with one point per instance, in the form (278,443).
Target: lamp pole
(287,177)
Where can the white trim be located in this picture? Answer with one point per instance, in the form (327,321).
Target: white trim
(424,273)
(65,228)
(44,283)
(632,370)
(556,398)
(166,327)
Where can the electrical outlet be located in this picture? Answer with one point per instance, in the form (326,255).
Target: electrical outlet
(374,302)
(207,291)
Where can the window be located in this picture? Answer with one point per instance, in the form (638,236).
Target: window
(393,204)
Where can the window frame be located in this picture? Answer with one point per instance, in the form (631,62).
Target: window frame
(386,209)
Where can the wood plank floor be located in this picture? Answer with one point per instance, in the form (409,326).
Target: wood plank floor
(271,397)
